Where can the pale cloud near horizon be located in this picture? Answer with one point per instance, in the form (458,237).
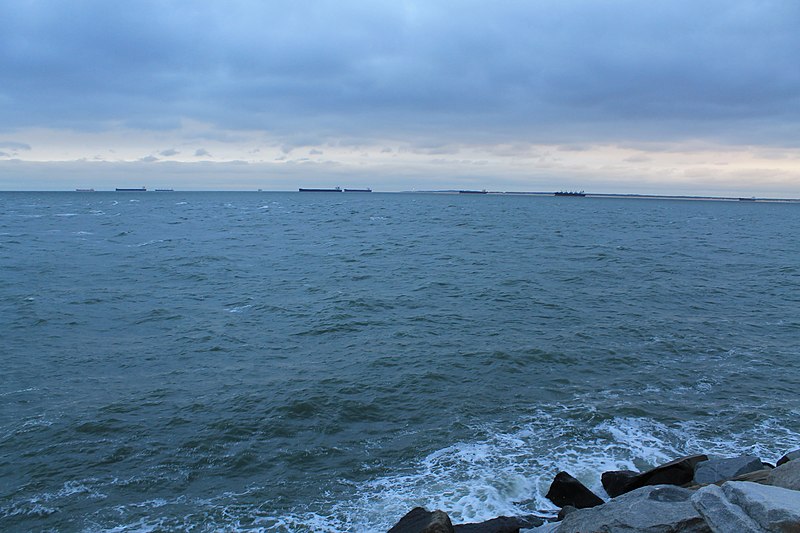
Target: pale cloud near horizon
(609,90)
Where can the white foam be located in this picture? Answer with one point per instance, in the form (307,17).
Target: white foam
(148,243)
(71,488)
(29,389)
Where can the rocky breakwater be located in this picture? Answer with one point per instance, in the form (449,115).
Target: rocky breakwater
(693,494)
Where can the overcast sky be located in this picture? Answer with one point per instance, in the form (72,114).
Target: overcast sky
(684,97)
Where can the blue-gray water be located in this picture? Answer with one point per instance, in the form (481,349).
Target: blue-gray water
(326,362)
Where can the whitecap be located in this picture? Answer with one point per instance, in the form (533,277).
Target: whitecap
(148,243)
(29,389)
(238,309)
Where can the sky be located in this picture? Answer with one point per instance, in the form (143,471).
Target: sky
(619,96)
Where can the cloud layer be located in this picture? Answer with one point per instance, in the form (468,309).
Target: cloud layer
(437,73)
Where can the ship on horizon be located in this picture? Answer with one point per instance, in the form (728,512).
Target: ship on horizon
(569,193)
(358,190)
(305,189)
(130,189)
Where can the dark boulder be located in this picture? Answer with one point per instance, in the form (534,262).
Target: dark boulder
(420,520)
(794,454)
(566,490)
(677,472)
(615,482)
(501,524)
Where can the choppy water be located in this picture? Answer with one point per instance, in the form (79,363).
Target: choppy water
(286,361)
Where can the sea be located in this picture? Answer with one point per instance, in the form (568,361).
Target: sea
(257,361)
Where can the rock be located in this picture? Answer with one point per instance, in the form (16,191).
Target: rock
(566,490)
(565,511)
(615,481)
(677,472)
(550,527)
(794,454)
(650,509)
(420,520)
(501,524)
(773,508)
(787,476)
(759,476)
(714,470)
(720,514)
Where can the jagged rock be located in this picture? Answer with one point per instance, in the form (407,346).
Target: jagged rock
(787,476)
(715,470)
(794,454)
(501,524)
(720,514)
(615,481)
(566,490)
(420,520)
(773,508)
(650,509)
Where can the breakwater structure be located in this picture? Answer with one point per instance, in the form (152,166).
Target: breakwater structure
(692,494)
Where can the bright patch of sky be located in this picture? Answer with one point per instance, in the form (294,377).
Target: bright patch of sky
(678,97)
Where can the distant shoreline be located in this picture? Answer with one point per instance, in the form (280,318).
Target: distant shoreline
(624,196)
(630,196)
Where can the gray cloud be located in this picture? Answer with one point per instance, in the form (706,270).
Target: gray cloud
(13,145)
(549,71)
(201,152)
(168,152)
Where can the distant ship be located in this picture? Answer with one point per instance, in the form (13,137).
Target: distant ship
(753,199)
(84,190)
(131,189)
(484,191)
(165,190)
(335,189)
(358,190)
(569,193)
